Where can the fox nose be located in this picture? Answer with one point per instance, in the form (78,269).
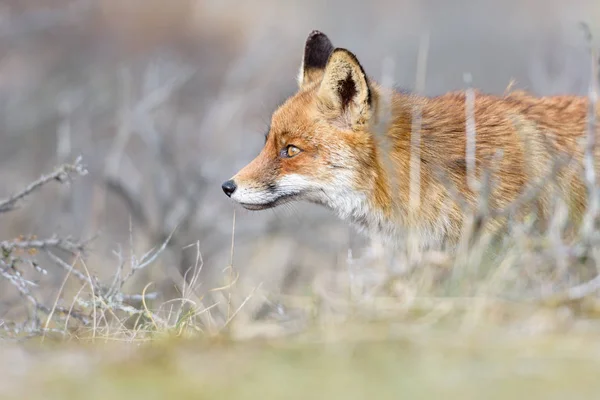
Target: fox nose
(229,187)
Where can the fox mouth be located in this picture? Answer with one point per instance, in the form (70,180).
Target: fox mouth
(271,204)
(258,207)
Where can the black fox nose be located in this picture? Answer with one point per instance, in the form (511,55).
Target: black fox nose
(229,187)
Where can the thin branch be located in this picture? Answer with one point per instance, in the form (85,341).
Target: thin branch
(64,244)
(147,259)
(575,293)
(139,297)
(23,290)
(69,268)
(62,174)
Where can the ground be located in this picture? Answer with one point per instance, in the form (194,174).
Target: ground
(344,362)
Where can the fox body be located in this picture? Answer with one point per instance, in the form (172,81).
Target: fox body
(347,143)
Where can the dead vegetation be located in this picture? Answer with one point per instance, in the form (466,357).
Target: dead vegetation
(146,245)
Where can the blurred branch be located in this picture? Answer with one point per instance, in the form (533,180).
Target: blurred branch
(43,19)
(175,190)
(134,202)
(146,259)
(575,293)
(65,244)
(113,160)
(69,268)
(593,207)
(62,174)
(22,286)
(470,132)
(23,250)
(137,118)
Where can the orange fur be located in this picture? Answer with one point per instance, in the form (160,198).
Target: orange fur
(363,173)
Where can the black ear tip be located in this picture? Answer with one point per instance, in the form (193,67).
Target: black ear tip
(317,38)
(317,49)
(314,33)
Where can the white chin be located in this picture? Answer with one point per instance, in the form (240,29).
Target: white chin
(270,204)
(257,207)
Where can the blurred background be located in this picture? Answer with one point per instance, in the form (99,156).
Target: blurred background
(166,100)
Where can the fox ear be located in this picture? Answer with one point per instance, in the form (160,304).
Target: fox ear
(317,50)
(344,93)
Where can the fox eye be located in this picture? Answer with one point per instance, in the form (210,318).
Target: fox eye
(290,151)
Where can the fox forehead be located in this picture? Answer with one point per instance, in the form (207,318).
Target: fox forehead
(297,116)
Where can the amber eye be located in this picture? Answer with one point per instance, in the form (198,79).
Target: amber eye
(291,151)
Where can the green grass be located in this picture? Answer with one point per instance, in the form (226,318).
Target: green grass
(346,362)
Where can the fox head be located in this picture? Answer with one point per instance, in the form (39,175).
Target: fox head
(318,147)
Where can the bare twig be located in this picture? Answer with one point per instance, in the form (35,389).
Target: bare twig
(22,287)
(58,296)
(69,268)
(64,244)
(146,259)
(574,293)
(62,174)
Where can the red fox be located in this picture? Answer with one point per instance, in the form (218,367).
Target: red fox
(324,146)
